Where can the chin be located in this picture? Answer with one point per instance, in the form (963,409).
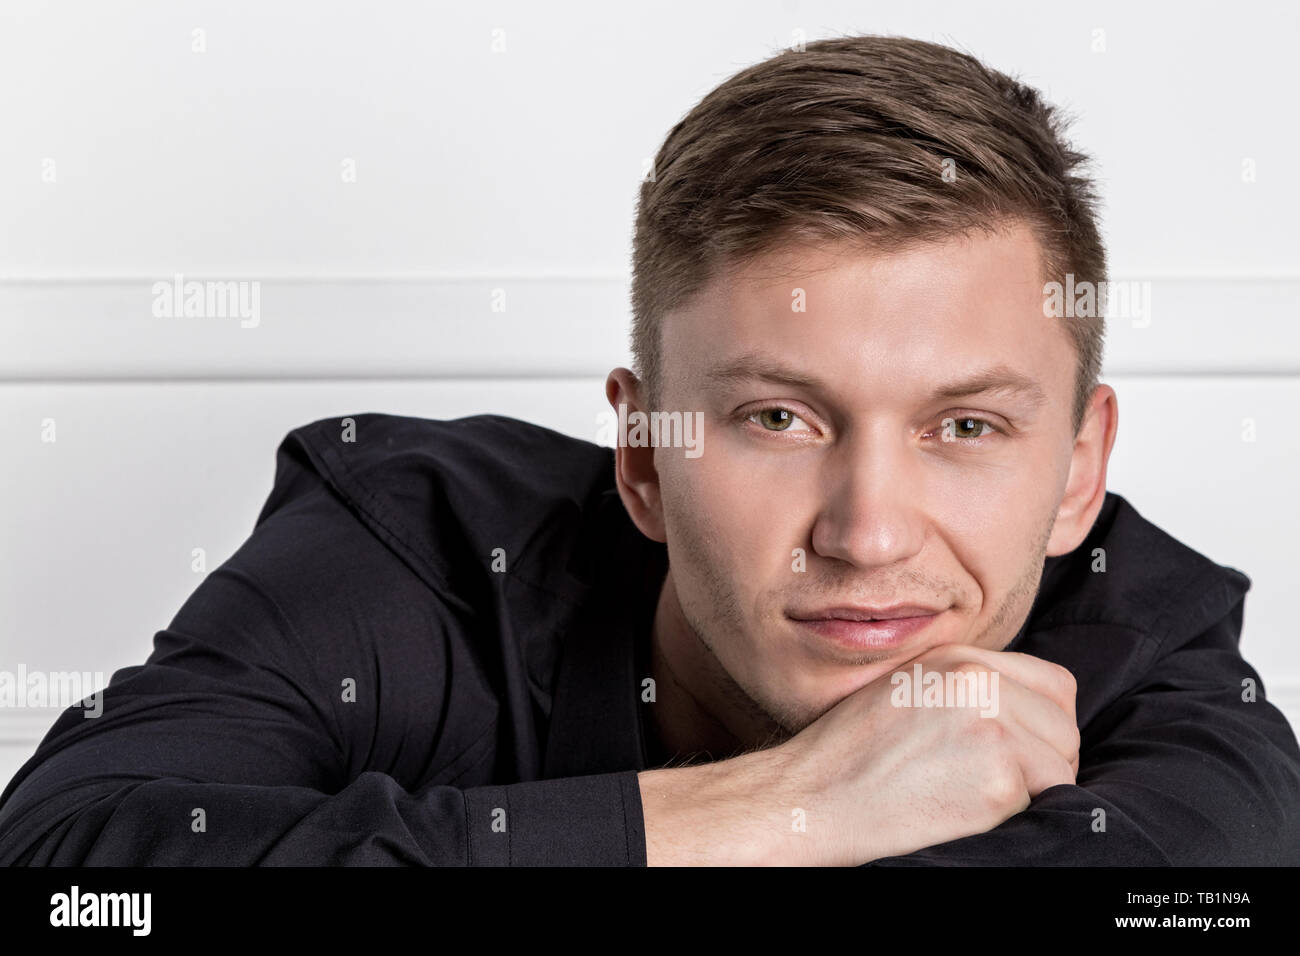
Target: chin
(803,709)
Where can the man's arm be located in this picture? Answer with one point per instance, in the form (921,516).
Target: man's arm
(1180,770)
(239,742)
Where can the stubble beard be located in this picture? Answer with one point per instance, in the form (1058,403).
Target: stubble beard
(782,719)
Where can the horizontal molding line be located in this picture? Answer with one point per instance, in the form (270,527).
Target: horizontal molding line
(452,327)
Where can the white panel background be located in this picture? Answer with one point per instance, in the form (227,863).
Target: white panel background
(483,174)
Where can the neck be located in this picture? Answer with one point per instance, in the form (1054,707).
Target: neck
(699,710)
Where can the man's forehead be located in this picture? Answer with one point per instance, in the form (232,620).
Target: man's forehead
(956,317)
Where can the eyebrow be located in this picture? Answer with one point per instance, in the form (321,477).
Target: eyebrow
(996,379)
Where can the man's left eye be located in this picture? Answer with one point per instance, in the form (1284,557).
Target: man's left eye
(965,427)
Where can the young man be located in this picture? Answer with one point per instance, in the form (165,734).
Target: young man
(879,608)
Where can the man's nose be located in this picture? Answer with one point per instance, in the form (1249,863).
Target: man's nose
(872,511)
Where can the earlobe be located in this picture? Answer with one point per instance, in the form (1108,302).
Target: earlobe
(1085,487)
(634,467)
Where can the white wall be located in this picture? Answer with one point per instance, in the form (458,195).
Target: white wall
(479,171)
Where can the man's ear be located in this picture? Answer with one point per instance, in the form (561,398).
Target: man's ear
(1085,487)
(634,468)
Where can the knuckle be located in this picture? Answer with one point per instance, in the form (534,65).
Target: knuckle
(1004,785)
(968,667)
(985,731)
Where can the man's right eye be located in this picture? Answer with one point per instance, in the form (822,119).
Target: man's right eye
(776,418)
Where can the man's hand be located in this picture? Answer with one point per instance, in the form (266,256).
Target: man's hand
(872,779)
(882,780)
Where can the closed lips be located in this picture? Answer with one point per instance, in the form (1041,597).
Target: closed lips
(866,614)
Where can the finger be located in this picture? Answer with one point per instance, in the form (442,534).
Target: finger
(1048,679)
(1040,716)
(1041,764)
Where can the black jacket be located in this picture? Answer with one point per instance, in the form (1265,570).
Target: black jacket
(481,695)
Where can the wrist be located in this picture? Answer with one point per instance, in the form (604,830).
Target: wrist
(733,812)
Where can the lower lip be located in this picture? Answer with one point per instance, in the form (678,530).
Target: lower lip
(869,635)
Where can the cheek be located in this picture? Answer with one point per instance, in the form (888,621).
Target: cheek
(717,511)
(994,539)
(992,517)
(707,504)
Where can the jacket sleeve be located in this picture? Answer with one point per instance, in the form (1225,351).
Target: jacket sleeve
(1180,770)
(236,743)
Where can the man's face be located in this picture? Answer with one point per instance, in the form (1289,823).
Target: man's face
(880,479)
